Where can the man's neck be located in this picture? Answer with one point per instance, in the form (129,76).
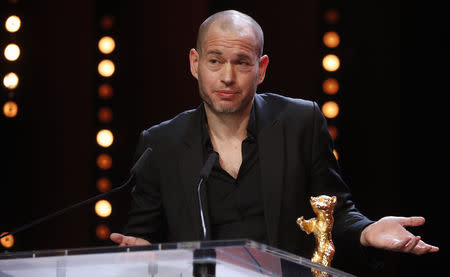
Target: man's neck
(228,126)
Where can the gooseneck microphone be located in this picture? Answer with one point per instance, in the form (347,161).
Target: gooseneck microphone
(137,166)
(204,174)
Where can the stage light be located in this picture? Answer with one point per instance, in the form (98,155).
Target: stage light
(103,208)
(330,86)
(12,24)
(333,131)
(330,109)
(12,52)
(104,184)
(7,241)
(105,91)
(10,109)
(105,115)
(106,68)
(11,80)
(331,39)
(105,138)
(104,161)
(331,62)
(102,231)
(106,45)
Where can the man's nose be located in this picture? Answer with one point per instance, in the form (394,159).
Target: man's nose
(228,76)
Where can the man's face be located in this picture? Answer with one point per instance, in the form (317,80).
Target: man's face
(228,69)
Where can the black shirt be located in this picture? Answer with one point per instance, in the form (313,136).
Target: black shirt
(235,206)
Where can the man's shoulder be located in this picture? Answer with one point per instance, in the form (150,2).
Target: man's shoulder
(274,101)
(173,128)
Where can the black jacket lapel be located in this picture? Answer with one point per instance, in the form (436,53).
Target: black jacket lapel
(271,155)
(190,164)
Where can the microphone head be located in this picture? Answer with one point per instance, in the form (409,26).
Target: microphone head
(206,170)
(141,161)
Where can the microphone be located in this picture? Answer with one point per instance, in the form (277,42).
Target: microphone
(204,174)
(137,166)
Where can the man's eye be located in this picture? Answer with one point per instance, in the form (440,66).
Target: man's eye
(214,61)
(243,63)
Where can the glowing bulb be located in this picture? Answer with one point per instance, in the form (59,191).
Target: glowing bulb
(330,86)
(331,62)
(330,109)
(102,231)
(106,68)
(7,241)
(105,91)
(10,109)
(105,138)
(106,45)
(105,115)
(12,52)
(331,39)
(12,24)
(104,161)
(103,208)
(11,80)
(103,184)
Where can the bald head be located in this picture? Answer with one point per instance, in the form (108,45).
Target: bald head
(234,21)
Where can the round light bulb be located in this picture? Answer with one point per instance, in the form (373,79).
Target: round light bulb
(12,24)
(11,80)
(106,68)
(105,138)
(330,109)
(103,208)
(331,62)
(12,52)
(106,45)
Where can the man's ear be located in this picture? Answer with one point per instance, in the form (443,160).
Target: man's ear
(193,60)
(263,63)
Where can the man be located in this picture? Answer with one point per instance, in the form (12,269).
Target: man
(274,153)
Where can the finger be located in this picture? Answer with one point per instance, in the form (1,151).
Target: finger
(423,248)
(411,244)
(400,245)
(412,221)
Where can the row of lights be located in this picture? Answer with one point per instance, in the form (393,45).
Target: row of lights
(331,63)
(10,82)
(105,137)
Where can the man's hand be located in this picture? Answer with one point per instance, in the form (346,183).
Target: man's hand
(389,233)
(122,240)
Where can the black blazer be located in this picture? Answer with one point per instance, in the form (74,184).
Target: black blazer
(295,152)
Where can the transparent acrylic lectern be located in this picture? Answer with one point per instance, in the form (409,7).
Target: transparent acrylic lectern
(230,258)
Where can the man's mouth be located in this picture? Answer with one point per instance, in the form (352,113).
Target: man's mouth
(226,93)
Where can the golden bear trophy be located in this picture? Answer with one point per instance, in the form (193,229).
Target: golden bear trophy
(321,227)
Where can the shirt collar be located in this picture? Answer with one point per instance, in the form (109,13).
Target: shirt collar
(252,130)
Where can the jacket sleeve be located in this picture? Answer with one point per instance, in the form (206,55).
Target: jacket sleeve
(145,218)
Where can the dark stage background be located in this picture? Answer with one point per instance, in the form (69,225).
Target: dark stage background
(392,140)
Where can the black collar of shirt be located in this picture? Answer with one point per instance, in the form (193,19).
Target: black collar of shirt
(251,128)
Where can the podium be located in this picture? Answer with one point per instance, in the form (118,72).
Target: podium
(230,258)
